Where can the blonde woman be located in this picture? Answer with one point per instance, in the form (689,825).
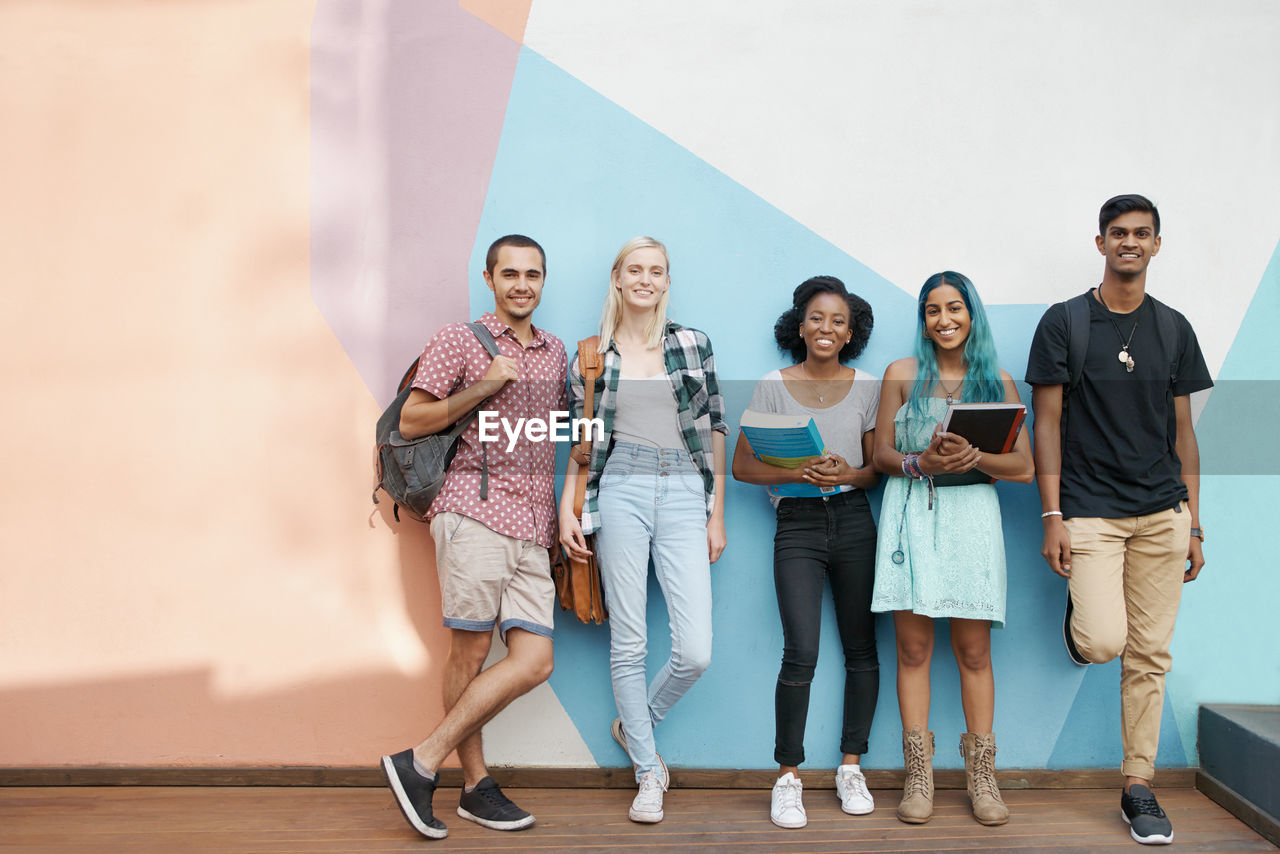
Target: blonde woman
(654,490)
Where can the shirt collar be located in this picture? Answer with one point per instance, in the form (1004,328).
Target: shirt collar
(671,327)
(495,325)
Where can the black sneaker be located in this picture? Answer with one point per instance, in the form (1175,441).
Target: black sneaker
(1147,822)
(1072,651)
(413,794)
(488,807)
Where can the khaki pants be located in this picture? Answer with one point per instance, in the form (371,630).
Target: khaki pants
(1126,583)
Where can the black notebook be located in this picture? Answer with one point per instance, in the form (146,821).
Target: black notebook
(992,428)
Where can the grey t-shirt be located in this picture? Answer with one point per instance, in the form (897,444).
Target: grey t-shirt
(841,425)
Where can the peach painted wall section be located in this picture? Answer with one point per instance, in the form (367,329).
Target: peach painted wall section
(191,573)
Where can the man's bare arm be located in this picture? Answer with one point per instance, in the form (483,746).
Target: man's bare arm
(424,413)
(1046,402)
(1189,455)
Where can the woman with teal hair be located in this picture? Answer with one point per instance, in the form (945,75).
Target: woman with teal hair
(941,551)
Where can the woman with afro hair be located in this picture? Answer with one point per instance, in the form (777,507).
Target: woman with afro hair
(821,539)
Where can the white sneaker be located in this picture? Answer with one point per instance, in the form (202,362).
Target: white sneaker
(851,787)
(785,806)
(647,806)
(620,736)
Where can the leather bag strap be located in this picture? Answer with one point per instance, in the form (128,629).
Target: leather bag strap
(591,363)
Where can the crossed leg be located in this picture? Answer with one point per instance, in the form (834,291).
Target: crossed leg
(473,696)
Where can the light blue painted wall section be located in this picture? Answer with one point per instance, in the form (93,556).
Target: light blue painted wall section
(1227,648)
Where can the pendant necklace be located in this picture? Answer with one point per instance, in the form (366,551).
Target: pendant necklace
(805,371)
(1123,356)
(950,391)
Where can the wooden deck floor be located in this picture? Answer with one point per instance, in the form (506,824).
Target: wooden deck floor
(294,819)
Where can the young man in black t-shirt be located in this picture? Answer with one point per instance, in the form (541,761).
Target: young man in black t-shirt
(1118,471)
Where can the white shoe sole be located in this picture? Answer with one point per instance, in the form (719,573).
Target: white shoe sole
(1068,641)
(620,736)
(868,810)
(645,817)
(788,825)
(518,824)
(1146,840)
(406,808)
(857,810)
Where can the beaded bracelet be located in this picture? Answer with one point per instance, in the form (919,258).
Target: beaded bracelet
(915,467)
(911,467)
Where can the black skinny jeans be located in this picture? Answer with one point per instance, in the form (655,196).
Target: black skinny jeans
(818,539)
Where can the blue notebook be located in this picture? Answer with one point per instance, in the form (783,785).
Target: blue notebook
(787,441)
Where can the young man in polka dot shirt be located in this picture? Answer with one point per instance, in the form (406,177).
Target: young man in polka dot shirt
(492,533)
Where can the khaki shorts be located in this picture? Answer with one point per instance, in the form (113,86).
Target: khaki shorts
(487,578)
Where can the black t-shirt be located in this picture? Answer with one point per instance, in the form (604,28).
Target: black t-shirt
(1118,451)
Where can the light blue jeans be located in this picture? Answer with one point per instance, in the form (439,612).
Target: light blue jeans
(652,503)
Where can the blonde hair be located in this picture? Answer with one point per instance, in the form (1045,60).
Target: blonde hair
(611,316)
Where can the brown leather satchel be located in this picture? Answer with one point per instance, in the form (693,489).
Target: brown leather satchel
(577,581)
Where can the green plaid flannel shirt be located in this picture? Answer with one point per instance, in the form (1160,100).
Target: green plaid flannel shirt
(691,370)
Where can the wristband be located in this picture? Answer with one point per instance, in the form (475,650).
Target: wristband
(1046,514)
(911,466)
(915,467)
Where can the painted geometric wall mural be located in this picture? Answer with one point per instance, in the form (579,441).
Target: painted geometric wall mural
(459,123)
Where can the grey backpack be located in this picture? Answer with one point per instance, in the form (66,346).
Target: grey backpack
(412,471)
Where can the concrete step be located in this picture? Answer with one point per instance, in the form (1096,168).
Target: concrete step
(1240,763)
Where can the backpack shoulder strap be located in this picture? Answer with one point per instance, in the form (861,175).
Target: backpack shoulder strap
(486,338)
(1167,328)
(408,376)
(491,347)
(478,329)
(1077,339)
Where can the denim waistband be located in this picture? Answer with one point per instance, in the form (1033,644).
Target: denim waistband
(853,496)
(647,457)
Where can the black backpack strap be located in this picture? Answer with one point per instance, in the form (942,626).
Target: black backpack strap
(1167,329)
(1077,339)
(491,347)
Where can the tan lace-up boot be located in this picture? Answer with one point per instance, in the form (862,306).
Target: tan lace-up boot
(917,793)
(979,752)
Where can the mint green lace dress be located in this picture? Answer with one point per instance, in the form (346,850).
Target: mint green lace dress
(952,557)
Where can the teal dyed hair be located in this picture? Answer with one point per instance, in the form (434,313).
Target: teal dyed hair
(982,383)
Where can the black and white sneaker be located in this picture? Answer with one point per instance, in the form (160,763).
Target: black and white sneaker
(413,794)
(487,806)
(1070,641)
(1147,822)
